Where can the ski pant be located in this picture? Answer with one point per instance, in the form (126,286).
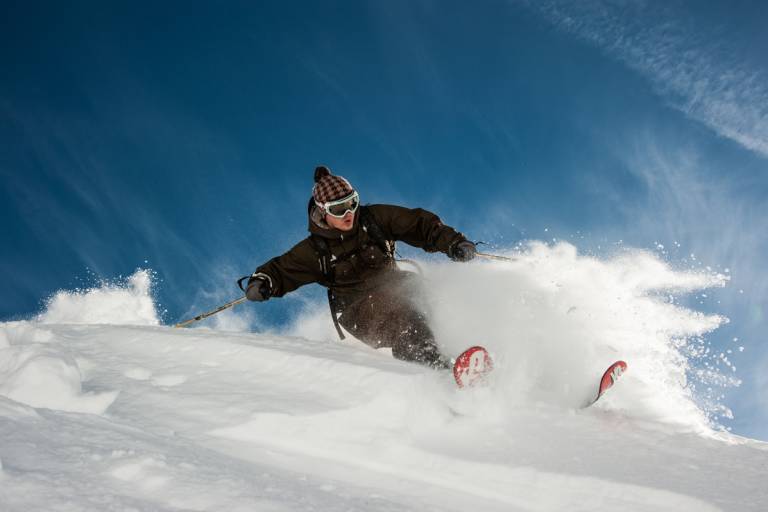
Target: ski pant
(390,316)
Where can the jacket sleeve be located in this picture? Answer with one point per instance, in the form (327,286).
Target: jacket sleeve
(295,268)
(416,227)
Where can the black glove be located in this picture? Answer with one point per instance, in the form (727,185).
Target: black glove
(258,289)
(463,250)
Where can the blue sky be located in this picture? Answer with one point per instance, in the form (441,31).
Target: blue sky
(182,137)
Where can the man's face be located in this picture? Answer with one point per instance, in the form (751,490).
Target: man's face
(342,224)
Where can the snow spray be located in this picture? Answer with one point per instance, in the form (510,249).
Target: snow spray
(554,320)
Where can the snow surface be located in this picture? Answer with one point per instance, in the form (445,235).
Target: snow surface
(102,408)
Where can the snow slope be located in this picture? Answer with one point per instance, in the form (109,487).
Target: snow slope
(117,412)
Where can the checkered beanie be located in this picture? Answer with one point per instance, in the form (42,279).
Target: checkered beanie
(329,187)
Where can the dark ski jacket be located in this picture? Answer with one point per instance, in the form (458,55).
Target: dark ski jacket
(360,264)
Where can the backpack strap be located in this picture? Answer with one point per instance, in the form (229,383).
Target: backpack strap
(324,258)
(368,223)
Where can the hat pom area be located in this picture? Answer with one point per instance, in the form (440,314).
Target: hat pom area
(321,171)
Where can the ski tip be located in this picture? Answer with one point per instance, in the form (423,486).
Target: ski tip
(607,381)
(472,366)
(610,376)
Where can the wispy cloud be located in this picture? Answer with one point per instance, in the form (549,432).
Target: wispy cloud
(701,72)
(715,214)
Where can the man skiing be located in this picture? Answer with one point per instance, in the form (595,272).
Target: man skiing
(351,251)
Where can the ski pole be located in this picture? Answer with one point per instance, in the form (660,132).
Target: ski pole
(211,313)
(494,257)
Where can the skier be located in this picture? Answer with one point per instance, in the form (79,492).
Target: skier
(351,251)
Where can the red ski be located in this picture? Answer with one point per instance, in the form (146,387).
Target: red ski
(609,378)
(472,367)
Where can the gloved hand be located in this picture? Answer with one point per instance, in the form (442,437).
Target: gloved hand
(462,251)
(258,289)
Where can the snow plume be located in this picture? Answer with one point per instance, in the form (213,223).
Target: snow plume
(698,71)
(130,303)
(555,320)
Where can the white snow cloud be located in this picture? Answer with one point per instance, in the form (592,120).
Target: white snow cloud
(696,208)
(703,216)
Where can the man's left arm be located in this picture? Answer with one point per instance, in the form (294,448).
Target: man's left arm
(423,229)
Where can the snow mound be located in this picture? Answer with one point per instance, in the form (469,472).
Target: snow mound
(35,371)
(128,304)
(208,420)
(17,333)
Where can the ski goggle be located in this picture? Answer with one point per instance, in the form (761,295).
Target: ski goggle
(340,207)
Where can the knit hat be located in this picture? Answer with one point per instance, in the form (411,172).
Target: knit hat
(329,187)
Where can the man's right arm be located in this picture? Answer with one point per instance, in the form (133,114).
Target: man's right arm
(285,273)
